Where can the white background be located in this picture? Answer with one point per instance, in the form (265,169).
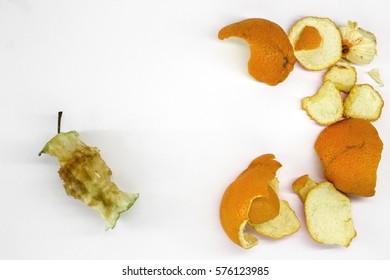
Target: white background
(176,117)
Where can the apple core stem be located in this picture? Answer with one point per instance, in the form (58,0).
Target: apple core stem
(59,121)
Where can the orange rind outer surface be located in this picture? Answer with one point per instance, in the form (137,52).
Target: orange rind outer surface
(350,151)
(272,55)
(264,209)
(238,198)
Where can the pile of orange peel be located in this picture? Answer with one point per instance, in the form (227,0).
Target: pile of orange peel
(349,147)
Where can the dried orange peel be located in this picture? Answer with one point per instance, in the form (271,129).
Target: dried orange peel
(272,56)
(375,75)
(239,196)
(329,216)
(363,102)
(350,151)
(252,199)
(327,212)
(286,223)
(303,185)
(326,105)
(343,76)
(316,41)
(359,45)
(264,209)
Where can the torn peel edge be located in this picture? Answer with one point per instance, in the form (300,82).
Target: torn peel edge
(247,239)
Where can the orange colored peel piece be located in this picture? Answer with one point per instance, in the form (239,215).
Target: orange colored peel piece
(309,39)
(238,198)
(272,55)
(350,151)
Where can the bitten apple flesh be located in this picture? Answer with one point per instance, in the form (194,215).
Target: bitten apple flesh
(87,177)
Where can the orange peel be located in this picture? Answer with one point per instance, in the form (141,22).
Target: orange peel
(326,105)
(328,50)
(327,212)
(303,185)
(285,224)
(264,209)
(329,216)
(350,151)
(238,198)
(343,76)
(272,55)
(363,102)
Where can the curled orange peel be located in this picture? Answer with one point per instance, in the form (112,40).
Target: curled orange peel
(272,55)
(238,198)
